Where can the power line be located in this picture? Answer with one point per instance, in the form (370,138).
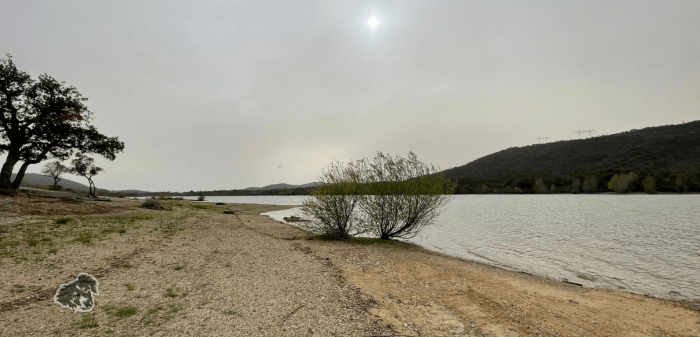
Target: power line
(583,131)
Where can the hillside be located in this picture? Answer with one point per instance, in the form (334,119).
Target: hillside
(35,179)
(657,151)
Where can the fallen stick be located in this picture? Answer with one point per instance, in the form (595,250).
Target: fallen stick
(289,314)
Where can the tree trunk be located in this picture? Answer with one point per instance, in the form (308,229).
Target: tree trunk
(6,173)
(20,175)
(55,182)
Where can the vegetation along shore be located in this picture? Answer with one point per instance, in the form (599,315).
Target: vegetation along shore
(190,269)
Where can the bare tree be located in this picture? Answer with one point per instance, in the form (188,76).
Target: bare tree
(331,207)
(54,170)
(402,196)
(84,166)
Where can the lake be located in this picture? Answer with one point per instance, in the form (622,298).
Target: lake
(648,244)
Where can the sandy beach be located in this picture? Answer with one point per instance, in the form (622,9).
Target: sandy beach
(192,270)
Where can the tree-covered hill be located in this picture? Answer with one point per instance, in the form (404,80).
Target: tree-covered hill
(663,152)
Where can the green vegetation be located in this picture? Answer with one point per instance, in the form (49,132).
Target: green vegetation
(121,310)
(62,221)
(88,321)
(20,239)
(397,197)
(402,196)
(54,169)
(58,126)
(173,292)
(655,159)
(200,206)
(331,207)
(85,238)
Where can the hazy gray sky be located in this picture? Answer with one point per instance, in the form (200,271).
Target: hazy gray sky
(232,94)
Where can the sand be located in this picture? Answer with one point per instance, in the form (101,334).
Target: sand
(192,270)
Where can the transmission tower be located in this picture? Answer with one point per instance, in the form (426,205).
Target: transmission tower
(583,131)
(539,140)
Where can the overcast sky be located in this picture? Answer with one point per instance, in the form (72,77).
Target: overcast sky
(232,94)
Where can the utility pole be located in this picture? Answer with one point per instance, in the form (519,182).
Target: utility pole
(540,139)
(582,131)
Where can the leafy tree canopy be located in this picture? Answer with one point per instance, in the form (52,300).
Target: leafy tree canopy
(41,119)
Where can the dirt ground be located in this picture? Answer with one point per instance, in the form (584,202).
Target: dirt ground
(192,270)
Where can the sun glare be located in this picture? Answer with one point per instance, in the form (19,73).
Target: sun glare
(373,22)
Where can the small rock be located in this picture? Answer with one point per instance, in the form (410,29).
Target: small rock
(220,204)
(228,211)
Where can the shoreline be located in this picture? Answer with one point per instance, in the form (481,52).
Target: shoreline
(399,307)
(578,278)
(190,269)
(420,292)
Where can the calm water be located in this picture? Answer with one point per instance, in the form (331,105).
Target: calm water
(646,244)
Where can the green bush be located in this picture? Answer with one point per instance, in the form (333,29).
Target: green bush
(649,184)
(622,183)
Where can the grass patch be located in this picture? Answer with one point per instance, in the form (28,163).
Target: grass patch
(17,288)
(150,313)
(203,303)
(110,230)
(85,238)
(4,244)
(200,206)
(121,311)
(129,287)
(174,308)
(88,322)
(174,292)
(62,221)
(154,310)
(53,251)
(230,312)
(170,293)
(116,221)
(160,312)
(178,267)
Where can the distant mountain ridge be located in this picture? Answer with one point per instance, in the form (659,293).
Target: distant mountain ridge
(282,186)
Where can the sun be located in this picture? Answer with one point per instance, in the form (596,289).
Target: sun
(373,22)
